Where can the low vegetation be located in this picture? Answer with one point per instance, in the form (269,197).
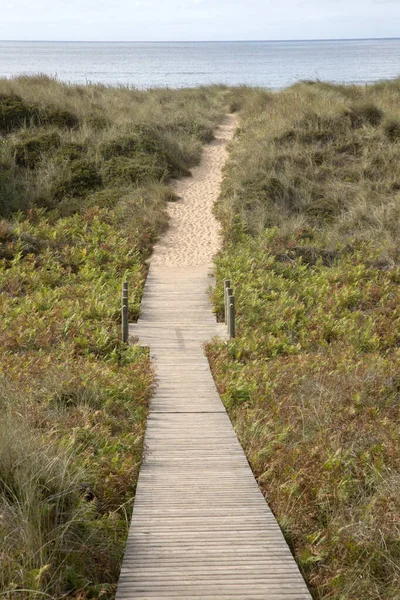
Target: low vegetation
(84,180)
(310,208)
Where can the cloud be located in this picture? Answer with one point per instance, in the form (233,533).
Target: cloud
(199,19)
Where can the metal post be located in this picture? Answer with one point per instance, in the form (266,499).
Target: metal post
(231,326)
(124,313)
(227,284)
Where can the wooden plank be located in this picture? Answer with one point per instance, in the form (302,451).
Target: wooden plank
(200,528)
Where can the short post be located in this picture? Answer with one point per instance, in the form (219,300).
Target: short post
(229,292)
(124,313)
(231,321)
(227,284)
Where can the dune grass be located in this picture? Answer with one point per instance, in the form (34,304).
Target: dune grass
(310,209)
(84,179)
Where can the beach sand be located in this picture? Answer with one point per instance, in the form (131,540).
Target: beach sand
(193,236)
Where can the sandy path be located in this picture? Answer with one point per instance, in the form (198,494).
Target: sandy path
(193,237)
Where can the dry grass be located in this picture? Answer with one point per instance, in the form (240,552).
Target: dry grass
(323,154)
(61,142)
(310,208)
(84,180)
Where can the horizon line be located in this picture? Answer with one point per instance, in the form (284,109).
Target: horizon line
(366,39)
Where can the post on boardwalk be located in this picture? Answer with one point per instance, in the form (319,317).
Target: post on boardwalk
(227,284)
(124,313)
(231,329)
(229,292)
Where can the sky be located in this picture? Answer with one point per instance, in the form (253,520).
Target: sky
(197,20)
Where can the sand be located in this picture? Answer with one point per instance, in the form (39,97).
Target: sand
(193,236)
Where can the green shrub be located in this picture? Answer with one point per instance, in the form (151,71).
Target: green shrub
(70,151)
(282,194)
(139,139)
(67,206)
(204,132)
(142,140)
(21,244)
(6,190)
(12,197)
(364,114)
(314,128)
(108,197)
(179,153)
(392,130)
(141,167)
(78,178)
(32,146)
(58,118)
(15,113)
(97,122)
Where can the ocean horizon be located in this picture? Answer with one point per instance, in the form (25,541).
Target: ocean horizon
(268,63)
(201,41)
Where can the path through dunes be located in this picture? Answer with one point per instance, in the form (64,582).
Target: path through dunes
(200,528)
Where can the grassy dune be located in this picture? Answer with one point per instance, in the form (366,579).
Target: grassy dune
(310,208)
(84,181)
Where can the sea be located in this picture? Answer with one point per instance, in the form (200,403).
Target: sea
(270,64)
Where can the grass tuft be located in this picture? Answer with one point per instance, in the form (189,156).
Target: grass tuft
(30,148)
(136,170)
(15,113)
(77,178)
(392,130)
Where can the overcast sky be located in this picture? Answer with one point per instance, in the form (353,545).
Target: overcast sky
(159,20)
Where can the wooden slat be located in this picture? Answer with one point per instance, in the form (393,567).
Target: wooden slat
(201,528)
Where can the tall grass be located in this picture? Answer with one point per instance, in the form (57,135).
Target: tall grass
(85,175)
(310,208)
(62,143)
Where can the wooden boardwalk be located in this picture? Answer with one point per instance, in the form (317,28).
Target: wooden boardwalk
(201,528)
